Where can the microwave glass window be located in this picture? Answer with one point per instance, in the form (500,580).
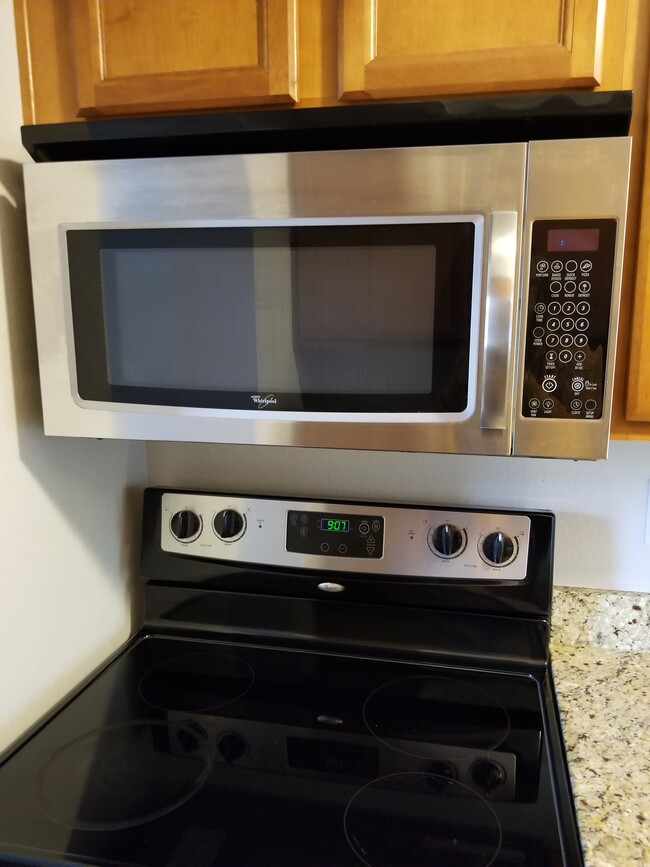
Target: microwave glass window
(345,317)
(179,318)
(364,318)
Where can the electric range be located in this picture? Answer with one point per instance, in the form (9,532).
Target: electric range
(315,683)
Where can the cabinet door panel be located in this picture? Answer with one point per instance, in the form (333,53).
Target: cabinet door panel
(392,48)
(638,371)
(135,56)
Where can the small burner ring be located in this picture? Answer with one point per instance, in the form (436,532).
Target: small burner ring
(415,715)
(196,682)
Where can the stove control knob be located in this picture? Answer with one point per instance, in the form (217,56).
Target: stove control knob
(441,774)
(447,540)
(487,775)
(229,525)
(232,746)
(185,526)
(498,549)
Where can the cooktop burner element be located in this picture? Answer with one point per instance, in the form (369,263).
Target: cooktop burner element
(257,720)
(421,819)
(449,712)
(196,682)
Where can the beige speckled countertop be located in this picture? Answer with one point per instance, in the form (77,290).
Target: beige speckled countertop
(600,651)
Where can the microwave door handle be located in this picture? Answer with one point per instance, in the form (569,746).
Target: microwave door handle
(496,394)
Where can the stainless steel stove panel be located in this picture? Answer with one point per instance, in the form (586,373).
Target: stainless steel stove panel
(403,541)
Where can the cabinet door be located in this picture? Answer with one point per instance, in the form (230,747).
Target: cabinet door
(638,371)
(137,56)
(393,48)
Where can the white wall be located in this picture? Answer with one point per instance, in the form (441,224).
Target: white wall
(600,507)
(68,508)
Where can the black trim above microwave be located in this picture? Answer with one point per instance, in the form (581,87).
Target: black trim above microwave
(451,326)
(456,120)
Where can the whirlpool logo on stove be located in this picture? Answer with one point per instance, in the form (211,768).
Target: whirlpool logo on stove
(263,402)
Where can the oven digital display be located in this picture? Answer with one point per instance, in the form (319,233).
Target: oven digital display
(335,525)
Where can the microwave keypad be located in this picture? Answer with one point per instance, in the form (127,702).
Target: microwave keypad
(569,300)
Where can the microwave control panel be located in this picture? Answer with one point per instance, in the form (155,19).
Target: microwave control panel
(569,305)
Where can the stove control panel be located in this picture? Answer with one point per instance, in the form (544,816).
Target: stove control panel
(444,543)
(335,534)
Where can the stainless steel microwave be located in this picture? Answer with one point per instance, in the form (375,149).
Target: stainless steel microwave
(453,299)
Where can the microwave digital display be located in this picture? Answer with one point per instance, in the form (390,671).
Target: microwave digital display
(573,240)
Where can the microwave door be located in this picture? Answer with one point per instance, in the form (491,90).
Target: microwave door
(306,367)
(355,321)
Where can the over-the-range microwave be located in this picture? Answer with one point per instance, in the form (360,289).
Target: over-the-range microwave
(359,292)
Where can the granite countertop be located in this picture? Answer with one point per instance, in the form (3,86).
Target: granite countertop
(600,652)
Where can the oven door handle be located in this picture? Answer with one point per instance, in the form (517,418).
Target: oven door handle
(498,340)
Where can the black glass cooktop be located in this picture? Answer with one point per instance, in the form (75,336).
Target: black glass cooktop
(190,752)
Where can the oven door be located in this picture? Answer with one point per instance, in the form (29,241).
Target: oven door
(359,299)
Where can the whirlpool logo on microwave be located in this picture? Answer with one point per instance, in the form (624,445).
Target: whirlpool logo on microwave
(263,402)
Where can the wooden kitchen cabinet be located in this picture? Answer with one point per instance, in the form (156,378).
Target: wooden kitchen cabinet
(135,56)
(638,372)
(123,57)
(409,48)
(90,58)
